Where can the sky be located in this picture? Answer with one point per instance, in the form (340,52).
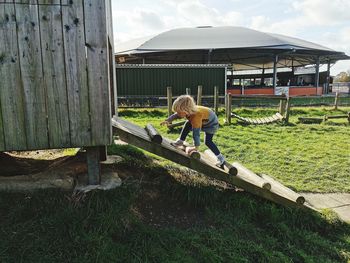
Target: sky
(323,22)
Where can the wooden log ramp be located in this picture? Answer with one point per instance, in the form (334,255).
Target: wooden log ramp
(271,119)
(234,174)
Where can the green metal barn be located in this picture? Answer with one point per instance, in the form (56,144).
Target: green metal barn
(137,80)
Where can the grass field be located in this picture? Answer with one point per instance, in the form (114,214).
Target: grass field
(165,213)
(313,158)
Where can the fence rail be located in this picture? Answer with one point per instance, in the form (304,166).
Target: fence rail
(161,101)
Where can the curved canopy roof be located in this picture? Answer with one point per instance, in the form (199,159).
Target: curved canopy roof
(243,47)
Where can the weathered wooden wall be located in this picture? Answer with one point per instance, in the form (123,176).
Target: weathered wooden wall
(54,72)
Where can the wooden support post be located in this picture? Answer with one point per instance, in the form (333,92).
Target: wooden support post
(228,108)
(93,165)
(199,95)
(188,91)
(336,100)
(216,99)
(103,153)
(286,117)
(153,134)
(170,100)
(282,109)
(282,190)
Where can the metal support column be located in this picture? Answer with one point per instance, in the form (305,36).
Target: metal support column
(317,74)
(275,73)
(328,78)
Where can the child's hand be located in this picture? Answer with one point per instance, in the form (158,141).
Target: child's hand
(191,149)
(163,123)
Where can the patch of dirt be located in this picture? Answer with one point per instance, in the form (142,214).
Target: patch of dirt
(157,209)
(13,165)
(30,162)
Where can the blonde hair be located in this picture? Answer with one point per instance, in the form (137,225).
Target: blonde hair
(185,103)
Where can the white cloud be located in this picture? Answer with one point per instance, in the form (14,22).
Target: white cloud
(321,21)
(324,12)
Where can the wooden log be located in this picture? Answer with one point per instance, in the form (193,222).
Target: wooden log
(216,99)
(283,190)
(199,95)
(169,100)
(227,166)
(250,176)
(279,116)
(192,153)
(153,134)
(336,116)
(176,124)
(310,120)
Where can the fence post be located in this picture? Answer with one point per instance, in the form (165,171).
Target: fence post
(170,99)
(188,91)
(282,109)
(287,108)
(216,99)
(336,100)
(199,95)
(228,108)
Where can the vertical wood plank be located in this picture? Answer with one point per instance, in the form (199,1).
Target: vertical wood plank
(54,72)
(112,77)
(11,93)
(32,74)
(77,84)
(97,62)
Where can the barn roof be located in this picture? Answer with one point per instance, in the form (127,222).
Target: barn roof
(243,47)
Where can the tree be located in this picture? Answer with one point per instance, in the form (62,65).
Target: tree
(342,77)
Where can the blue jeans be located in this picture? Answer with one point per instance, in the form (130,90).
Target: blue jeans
(208,138)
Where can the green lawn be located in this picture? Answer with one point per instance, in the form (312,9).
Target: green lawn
(305,157)
(165,213)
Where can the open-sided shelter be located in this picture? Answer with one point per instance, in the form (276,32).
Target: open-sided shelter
(243,48)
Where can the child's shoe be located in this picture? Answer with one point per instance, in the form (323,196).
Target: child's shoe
(221,160)
(178,142)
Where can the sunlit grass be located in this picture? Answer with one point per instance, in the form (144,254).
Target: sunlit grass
(305,157)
